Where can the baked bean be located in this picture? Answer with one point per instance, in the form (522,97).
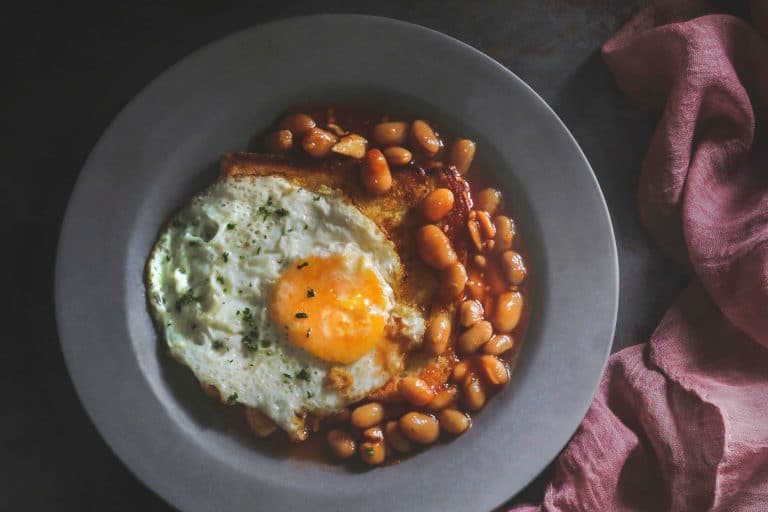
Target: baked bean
(395,437)
(280,141)
(505,233)
(506,311)
(513,266)
(318,142)
(298,123)
(420,428)
(454,280)
(454,422)
(434,247)
(424,137)
(475,287)
(494,278)
(474,233)
(470,312)
(461,154)
(397,156)
(493,370)
(375,173)
(342,443)
(474,337)
(261,425)
(486,226)
(351,145)
(373,453)
(443,399)
(488,200)
(390,134)
(460,372)
(473,393)
(373,434)
(415,390)
(499,344)
(437,204)
(438,332)
(367,415)
(479,260)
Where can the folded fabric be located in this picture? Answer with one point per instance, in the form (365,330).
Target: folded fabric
(681,423)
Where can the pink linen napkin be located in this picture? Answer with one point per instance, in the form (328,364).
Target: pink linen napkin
(681,423)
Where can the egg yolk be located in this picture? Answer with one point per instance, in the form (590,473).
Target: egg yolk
(331,307)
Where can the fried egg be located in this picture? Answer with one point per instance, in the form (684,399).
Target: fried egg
(282,298)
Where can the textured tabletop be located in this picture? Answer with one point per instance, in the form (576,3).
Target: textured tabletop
(68,71)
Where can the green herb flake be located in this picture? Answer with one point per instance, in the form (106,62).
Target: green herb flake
(219,279)
(187,298)
(303,374)
(231,399)
(310,293)
(250,343)
(368,451)
(309,394)
(306,226)
(301,314)
(225,257)
(287,376)
(218,344)
(316,198)
(230,226)
(258,250)
(265,344)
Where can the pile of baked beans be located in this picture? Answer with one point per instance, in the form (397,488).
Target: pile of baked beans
(476,318)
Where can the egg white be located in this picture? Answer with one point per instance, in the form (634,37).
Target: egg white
(209,279)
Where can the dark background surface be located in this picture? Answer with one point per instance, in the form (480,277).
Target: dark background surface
(67,71)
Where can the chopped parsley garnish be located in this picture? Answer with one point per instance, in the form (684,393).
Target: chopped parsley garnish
(250,343)
(258,250)
(187,298)
(225,257)
(266,210)
(219,279)
(309,394)
(218,344)
(368,451)
(310,293)
(303,374)
(230,226)
(306,226)
(286,376)
(301,314)
(265,343)
(168,258)
(302,265)
(232,398)
(247,315)
(316,198)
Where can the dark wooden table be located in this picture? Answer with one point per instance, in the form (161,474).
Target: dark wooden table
(69,70)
